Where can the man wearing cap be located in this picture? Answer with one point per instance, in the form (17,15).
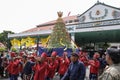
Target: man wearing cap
(112,72)
(40,67)
(76,69)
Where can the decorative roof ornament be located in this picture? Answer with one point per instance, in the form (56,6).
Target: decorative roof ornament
(98,13)
(115,14)
(60,16)
(98,1)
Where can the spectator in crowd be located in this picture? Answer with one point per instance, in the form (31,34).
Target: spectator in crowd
(103,64)
(26,73)
(76,69)
(63,65)
(40,67)
(1,65)
(5,64)
(112,72)
(85,60)
(13,68)
(52,66)
(94,67)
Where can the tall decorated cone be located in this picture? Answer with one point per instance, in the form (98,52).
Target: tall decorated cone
(59,37)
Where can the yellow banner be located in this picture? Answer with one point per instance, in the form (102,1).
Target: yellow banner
(15,43)
(45,40)
(30,42)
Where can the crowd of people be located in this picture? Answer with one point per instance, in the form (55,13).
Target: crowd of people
(76,67)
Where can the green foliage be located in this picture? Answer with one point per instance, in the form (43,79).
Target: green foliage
(4,38)
(2,49)
(14,49)
(59,37)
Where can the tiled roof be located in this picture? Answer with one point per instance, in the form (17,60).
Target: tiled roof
(49,25)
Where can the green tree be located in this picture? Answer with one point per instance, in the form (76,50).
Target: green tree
(4,38)
(59,37)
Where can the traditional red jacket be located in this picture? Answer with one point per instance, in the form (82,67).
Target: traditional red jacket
(13,67)
(85,60)
(40,69)
(63,66)
(94,66)
(12,54)
(52,66)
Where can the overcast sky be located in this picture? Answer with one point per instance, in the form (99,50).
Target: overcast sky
(21,15)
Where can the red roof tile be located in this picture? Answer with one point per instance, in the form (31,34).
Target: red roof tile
(49,25)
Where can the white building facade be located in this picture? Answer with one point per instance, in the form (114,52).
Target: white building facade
(100,23)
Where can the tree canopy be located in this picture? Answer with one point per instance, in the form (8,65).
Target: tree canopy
(4,38)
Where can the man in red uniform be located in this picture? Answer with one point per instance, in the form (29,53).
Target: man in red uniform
(52,66)
(40,67)
(85,60)
(21,53)
(13,68)
(94,67)
(12,54)
(64,64)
